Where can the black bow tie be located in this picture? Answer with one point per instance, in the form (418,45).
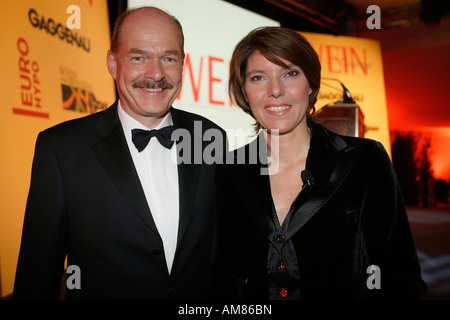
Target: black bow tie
(141,137)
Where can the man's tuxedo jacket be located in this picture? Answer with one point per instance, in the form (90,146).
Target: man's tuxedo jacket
(86,201)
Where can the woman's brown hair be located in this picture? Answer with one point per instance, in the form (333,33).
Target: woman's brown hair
(275,43)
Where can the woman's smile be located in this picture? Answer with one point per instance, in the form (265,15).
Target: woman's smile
(278,110)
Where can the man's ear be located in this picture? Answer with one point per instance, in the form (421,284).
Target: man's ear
(111,62)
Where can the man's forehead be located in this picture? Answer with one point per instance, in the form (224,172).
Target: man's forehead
(147,16)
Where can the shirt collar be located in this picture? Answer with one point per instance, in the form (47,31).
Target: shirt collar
(129,123)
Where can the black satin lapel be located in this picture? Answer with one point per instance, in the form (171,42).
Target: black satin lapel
(112,152)
(188,170)
(317,197)
(188,176)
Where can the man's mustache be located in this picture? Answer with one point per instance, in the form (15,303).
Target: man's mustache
(148,84)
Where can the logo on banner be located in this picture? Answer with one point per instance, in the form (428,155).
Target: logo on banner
(30,85)
(59,30)
(78,95)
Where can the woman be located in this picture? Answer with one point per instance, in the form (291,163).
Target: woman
(328,221)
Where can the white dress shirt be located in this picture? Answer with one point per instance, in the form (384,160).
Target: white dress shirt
(158,173)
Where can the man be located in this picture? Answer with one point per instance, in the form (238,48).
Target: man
(136,224)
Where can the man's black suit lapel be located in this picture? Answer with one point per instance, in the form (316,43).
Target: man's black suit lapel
(188,173)
(112,152)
